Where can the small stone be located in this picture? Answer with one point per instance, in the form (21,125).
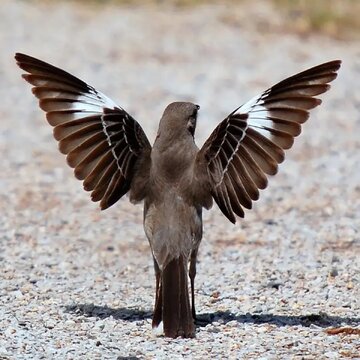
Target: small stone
(22,322)
(3,352)
(334,272)
(270,222)
(50,324)
(214,330)
(232,323)
(274,284)
(258,309)
(9,331)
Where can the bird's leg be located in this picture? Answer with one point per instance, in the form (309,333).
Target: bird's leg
(157,277)
(192,274)
(157,316)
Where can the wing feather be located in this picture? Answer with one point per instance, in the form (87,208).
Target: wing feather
(249,144)
(101,140)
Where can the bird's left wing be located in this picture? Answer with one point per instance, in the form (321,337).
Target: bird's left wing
(101,140)
(249,144)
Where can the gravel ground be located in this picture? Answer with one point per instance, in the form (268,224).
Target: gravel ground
(77,283)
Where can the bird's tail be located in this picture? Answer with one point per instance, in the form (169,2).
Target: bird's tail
(172,305)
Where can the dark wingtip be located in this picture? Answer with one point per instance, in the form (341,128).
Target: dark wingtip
(20,57)
(17,56)
(232,219)
(333,64)
(334,67)
(21,60)
(103,206)
(25,76)
(337,63)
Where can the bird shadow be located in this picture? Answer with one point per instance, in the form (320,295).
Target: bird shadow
(103,312)
(320,319)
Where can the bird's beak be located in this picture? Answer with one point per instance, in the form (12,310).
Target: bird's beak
(191,125)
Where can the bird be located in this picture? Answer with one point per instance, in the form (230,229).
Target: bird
(174,179)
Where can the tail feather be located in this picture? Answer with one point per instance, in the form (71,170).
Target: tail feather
(157,317)
(171,283)
(172,301)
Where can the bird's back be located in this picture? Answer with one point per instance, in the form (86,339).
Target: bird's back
(172,221)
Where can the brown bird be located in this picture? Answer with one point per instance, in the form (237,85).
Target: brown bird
(111,154)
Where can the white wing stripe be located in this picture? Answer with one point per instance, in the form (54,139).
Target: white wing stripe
(255,101)
(108,103)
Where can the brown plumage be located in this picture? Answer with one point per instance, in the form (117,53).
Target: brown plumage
(111,154)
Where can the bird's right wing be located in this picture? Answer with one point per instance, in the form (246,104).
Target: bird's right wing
(101,140)
(249,144)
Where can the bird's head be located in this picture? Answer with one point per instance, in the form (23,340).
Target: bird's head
(179,118)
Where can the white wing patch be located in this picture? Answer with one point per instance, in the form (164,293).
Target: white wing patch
(259,117)
(108,103)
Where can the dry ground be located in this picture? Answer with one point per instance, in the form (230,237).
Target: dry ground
(76,283)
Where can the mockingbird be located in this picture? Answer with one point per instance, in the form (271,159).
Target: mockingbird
(111,154)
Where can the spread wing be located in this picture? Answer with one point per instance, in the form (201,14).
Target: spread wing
(101,140)
(249,144)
